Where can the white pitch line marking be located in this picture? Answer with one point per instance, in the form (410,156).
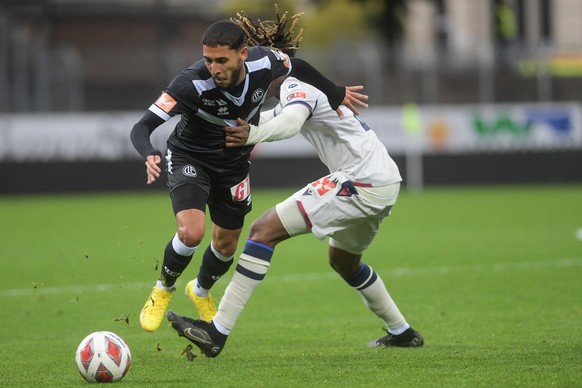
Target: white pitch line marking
(314,276)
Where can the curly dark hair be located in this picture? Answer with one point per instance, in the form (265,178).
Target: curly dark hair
(269,33)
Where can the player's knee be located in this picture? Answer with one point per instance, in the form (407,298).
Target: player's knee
(191,237)
(268,229)
(258,230)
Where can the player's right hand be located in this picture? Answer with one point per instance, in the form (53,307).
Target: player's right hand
(153,169)
(353,99)
(237,136)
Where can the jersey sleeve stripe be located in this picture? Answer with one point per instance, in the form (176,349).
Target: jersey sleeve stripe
(304,103)
(159,112)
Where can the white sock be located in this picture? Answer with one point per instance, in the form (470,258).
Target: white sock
(377,298)
(161,286)
(199,291)
(182,249)
(250,272)
(218,255)
(221,329)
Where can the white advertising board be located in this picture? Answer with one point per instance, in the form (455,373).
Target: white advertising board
(441,129)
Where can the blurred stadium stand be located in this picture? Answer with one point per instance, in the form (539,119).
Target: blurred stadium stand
(64,56)
(118,54)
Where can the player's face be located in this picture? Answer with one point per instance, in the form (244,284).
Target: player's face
(225,65)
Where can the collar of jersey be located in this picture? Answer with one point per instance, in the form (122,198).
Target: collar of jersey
(238,101)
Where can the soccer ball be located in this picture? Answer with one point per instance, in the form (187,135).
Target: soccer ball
(103,357)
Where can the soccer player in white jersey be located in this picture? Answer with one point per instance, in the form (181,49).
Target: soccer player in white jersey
(347,206)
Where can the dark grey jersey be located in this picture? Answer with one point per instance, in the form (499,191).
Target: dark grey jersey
(205,109)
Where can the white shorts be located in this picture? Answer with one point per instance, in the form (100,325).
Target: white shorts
(350,214)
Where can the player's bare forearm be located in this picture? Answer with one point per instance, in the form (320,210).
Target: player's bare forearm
(237,136)
(353,99)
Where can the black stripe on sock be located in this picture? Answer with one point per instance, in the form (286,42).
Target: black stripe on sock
(249,274)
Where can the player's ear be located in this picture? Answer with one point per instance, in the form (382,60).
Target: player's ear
(244,53)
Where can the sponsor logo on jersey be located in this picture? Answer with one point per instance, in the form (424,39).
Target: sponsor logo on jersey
(291,86)
(208,102)
(296,95)
(258,95)
(189,170)
(165,102)
(241,191)
(222,111)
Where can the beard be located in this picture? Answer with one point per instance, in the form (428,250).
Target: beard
(234,78)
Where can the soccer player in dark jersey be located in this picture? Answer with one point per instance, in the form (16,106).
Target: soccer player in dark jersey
(229,83)
(346,206)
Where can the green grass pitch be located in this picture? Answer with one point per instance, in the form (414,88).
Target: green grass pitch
(491,276)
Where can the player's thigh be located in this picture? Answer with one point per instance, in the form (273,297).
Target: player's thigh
(356,239)
(229,199)
(291,218)
(334,209)
(188,183)
(358,234)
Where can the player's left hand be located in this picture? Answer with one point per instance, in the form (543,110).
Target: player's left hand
(237,136)
(351,99)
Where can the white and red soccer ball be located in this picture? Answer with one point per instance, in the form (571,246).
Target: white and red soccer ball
(103,357)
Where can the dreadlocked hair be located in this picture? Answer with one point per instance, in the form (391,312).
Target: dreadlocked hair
(269,33)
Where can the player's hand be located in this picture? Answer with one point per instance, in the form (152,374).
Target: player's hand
(237,136)
(153,169)
(353,99)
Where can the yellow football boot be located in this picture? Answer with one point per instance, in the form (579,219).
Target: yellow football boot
(205,306)
(154,310)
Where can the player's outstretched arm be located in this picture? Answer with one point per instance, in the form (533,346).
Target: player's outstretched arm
(336,95)
(283,126)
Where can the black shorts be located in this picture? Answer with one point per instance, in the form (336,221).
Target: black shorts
(193,186)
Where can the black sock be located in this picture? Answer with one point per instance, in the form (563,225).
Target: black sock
(174,265)
(211,269)
(217,337)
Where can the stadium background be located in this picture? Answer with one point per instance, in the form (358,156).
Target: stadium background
(469,96)
(461,92)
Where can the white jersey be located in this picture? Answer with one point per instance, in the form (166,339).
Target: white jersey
(345,145)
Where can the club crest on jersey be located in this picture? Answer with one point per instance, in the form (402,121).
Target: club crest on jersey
(189,170)
(258,95)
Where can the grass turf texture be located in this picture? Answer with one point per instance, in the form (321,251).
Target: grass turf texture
(489,276)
